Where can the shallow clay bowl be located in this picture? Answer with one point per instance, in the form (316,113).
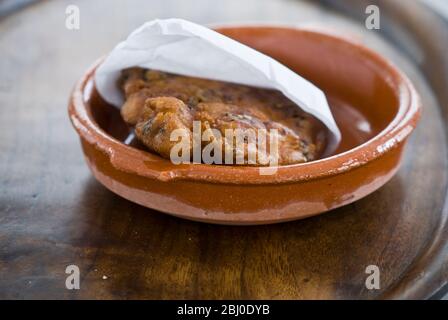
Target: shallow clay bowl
(375,106)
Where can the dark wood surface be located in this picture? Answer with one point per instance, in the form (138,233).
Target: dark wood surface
(53,213)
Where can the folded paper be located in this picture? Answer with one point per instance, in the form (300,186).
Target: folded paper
(182,47)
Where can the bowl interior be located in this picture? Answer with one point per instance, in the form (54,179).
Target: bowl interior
(362,96)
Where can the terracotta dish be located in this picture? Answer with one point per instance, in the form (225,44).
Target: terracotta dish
(374,104)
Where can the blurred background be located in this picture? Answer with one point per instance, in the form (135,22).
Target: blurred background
(41,58)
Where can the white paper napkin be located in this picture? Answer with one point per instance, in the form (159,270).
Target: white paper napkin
(182,47)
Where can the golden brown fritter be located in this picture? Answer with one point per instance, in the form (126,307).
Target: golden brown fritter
(158,103)
(158,119)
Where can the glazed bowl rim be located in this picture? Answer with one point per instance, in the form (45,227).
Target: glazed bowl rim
(146,164)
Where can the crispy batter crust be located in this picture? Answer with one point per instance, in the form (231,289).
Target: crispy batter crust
(158,103)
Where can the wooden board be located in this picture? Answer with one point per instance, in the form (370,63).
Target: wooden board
(53,213)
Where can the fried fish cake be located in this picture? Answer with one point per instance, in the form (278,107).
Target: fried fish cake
(157,103)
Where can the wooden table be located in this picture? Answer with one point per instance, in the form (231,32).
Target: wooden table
(53,213)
